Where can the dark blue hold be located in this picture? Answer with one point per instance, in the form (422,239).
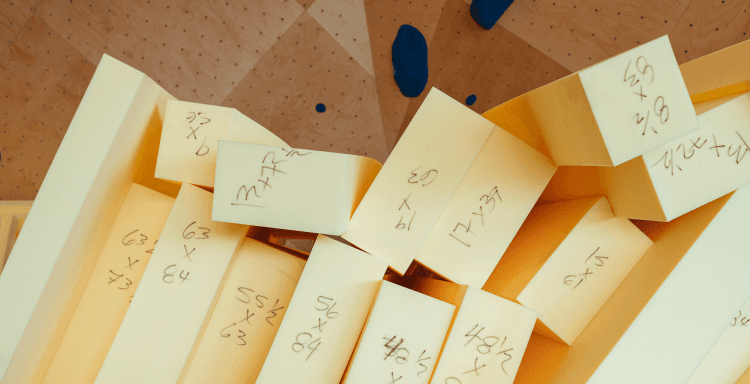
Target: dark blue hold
(409,53)
(471,99)
(487,12)
(320,107)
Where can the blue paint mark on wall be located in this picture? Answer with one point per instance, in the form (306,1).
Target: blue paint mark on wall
(320,107)
(487,12)
(409,53)
(471,99)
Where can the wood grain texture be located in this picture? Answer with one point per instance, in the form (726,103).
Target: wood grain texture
(42,81)
(306,67)
(580,33)
(345,20)
(384,18)
(494,65)
(13,15)
(708,26)
(197,51)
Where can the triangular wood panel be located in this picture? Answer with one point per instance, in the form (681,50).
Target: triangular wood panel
(306,67)
(384,18)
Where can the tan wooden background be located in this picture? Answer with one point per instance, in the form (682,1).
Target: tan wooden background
(274,60)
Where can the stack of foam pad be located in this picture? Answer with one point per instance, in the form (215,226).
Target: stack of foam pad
(589,231)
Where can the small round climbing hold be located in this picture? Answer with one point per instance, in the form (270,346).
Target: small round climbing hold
(487,12)
(320,107)
(409,53)
(471,99)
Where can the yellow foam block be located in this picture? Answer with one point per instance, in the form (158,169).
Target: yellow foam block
(248,313)
(608,113)
(565,263)
(287,188)
(711,80)
(704,291)
(190,137)
(549,361)
(402,337)
(177,293)
(730,356)
(445,169)
(108,145)
(486,210)
(487,340)
(325,317)
(112,285)
(660,185)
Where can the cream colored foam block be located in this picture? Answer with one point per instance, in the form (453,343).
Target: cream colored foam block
(689,312)
(73,214)
(177,293)
(248,313)
(419,178)
(325,317)
(664,179)
(608,113)
(566,262)
(639,100)
(730,356)
(435,175)
(402,338)
(486,210)
(287,188)
(112,285)
(486,341)
(190,138)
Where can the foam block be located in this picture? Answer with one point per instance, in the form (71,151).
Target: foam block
(655,186)
(454,184)
(177,293)
(325,317)
(112,285)
(657,344)
(487,340)
(608,113)
(190,138)
(566,262)
(402,337)
(287,188)
(102,154)
(730,356)
(247,316)
(486,210)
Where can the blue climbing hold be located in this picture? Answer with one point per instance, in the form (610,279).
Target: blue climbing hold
(320,107)
(487,12)
(409,52)
(471,99)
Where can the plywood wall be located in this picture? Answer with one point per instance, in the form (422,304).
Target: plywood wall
(275,60)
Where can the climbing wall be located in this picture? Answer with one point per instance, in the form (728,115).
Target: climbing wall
(276,60)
